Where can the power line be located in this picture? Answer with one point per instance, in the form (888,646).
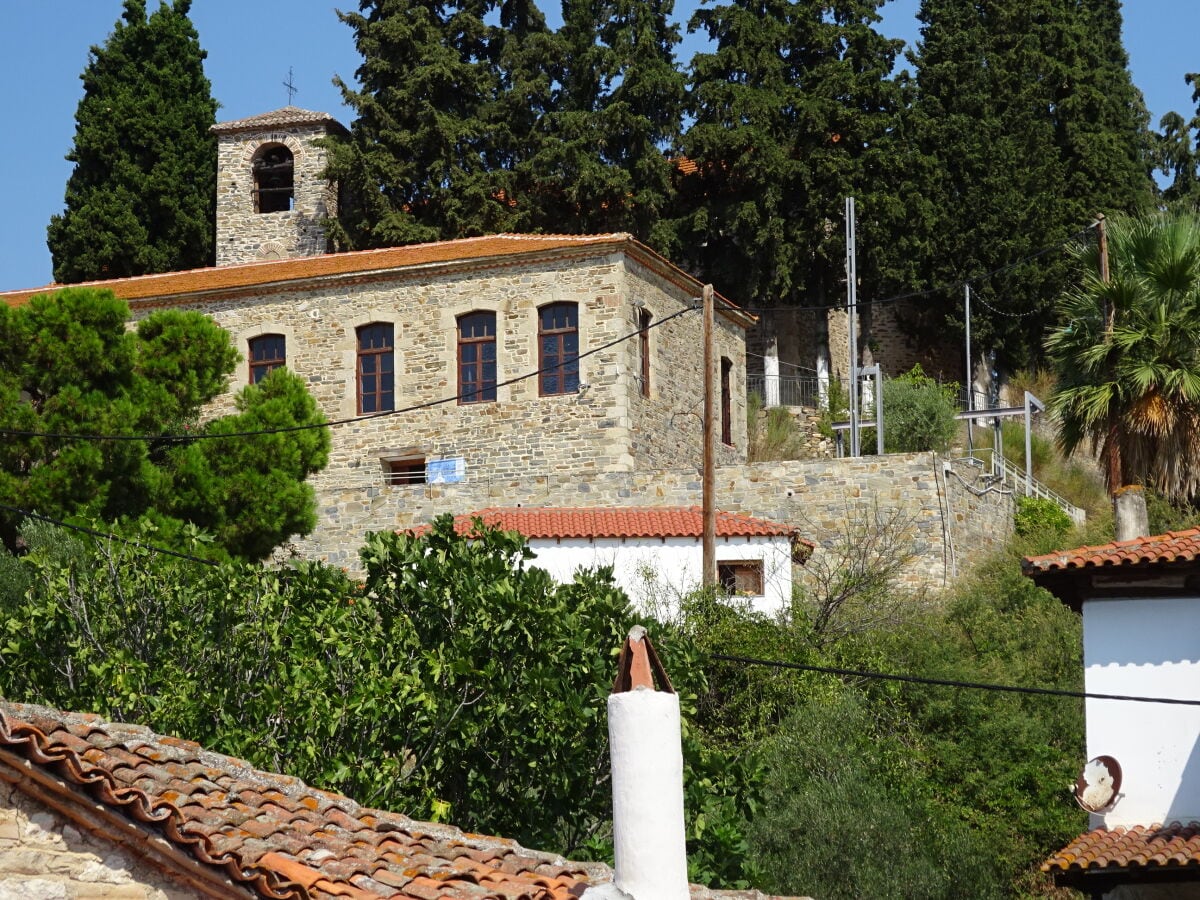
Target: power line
(940,289)
(101,534)
(200,436)
(947,682)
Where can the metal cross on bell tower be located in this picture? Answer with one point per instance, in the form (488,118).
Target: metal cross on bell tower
(290,84)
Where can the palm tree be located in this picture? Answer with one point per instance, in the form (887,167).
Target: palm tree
(1127,355)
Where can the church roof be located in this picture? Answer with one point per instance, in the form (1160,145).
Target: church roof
(276,118)
(465,253)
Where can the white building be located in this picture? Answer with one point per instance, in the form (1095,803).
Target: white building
(656,552)
(1140,601)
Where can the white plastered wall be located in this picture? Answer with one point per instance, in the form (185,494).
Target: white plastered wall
(1149,648)
(656,572)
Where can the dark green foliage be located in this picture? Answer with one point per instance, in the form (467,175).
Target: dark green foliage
(1177,154)
(416,164)
(1037,516)
(849,813)
(1028,112)
(918,413)
(69,366)
(793,111)
(141,196)
(876,789)
(455,683)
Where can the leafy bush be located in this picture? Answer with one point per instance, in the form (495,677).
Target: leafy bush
(1039,516)
(918,413)
(774,438)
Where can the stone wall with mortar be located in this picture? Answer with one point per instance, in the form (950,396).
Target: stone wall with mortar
(606,427)
(245,235)
(946,518)
(44,857)
(803,335)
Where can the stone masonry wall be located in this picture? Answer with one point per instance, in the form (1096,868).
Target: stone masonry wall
(606,427)
(244,235)
(801,336)
(947,518)
(43,857)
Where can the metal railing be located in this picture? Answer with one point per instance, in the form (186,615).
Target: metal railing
(794,390)
(1011,475)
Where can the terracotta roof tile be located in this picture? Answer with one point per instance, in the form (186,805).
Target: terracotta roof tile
(475,252)
(274,834)
(276,118)
(1174,546)
(1145,847)
(620,522)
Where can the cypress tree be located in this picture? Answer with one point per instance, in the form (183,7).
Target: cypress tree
(415,163)
(598,162)
(794,110)
(1028,112)
(140,198)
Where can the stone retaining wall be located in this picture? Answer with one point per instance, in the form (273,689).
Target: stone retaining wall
(949,516)
(42,857)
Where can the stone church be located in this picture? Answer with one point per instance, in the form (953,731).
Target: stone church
(527,369)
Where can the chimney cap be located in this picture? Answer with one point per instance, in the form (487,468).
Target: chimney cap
(638,665)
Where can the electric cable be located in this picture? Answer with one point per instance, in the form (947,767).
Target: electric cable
(939,289)
(334,423)
(949,682)
(101,534)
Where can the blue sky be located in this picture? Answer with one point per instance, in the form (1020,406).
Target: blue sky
(252,43)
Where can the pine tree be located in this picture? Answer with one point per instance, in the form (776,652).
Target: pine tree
(1177,153)
(794,110)
(1028,112)
(140,198)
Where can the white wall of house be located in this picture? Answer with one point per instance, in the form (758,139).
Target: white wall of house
(656,572)
(1150,648)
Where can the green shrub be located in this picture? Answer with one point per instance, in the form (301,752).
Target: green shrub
(1037,515)
(918,413)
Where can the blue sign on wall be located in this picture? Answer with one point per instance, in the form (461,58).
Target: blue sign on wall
(445,471)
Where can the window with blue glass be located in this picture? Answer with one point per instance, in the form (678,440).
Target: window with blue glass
(376,368)
(477,357)
(558,349)
(267,353)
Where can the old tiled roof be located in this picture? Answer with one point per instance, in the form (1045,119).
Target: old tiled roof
(620,522)
(276,118)
(272,835)
(1145,851)
(1172,547)
(470,253)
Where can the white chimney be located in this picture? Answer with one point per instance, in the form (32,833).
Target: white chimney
(647,781)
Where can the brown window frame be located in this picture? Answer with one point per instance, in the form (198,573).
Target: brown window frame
(644,320)
(742,577)
(726,401)
(281,195)
(263,365)
(479,389)
(560,377)
(383,364)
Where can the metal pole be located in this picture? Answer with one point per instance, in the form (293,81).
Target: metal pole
(709,481)
(1028,446)
(970,379)
(851,310)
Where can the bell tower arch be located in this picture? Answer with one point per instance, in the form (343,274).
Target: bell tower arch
(271,199)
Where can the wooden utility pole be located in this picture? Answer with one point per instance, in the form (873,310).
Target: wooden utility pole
(709,479)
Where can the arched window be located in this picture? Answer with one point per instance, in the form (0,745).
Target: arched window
(274,179)
(477,357)
(376,368)
(558,349)
(267,352)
